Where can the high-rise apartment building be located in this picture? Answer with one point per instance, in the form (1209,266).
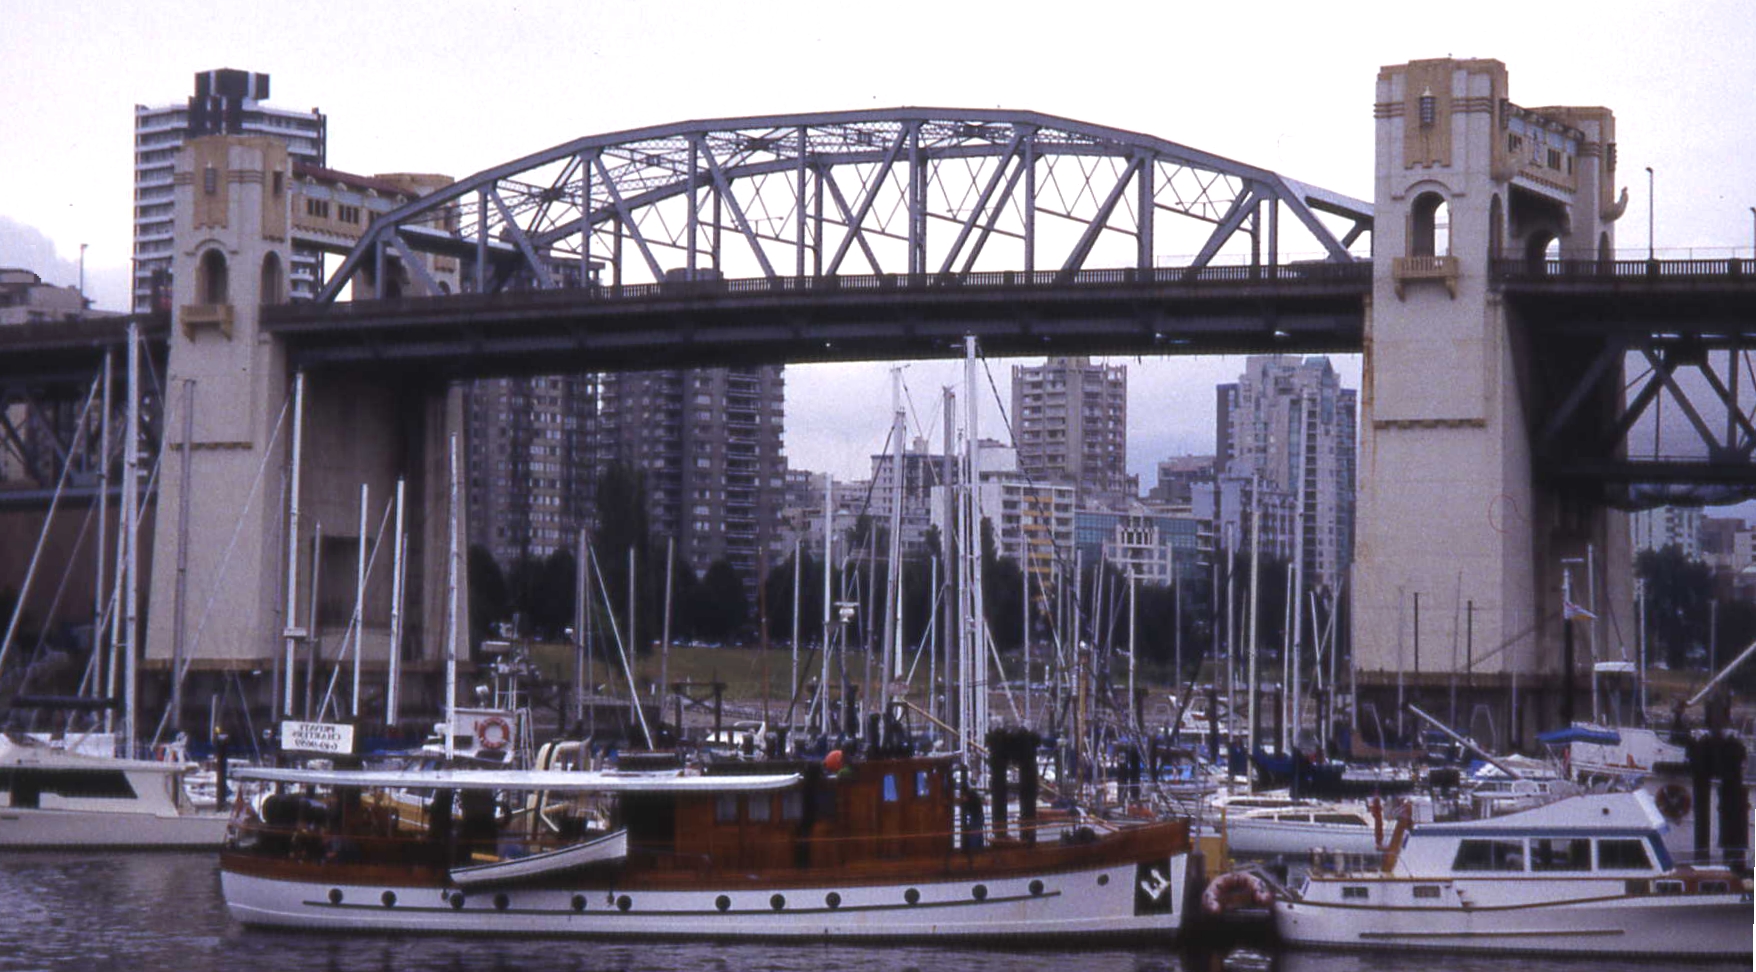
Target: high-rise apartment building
(1070,418)
(708,442)
(532,471)
(225,102)
(1289,423)
(1668,526)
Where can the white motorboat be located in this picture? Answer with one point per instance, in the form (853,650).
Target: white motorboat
(1583,875)
(1299,829)
(51,796)
(883,849)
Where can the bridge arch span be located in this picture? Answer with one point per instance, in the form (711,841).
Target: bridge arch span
(903,191)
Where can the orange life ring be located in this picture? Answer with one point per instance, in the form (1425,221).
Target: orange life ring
(493,733)
(1673,801)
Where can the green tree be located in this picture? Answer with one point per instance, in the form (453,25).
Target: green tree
(1002,592)
(779,585)
(622,526)
(1678,592)
(490,602)
(722,609)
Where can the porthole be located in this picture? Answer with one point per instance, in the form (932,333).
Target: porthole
(502,902)
(1036,889)
(579,902)
(456,899)
(1103,879)
(335,896)
(832,899)
(389,899)
(723,903)
(979,892)
(912,896)
(778,902)
(624,903)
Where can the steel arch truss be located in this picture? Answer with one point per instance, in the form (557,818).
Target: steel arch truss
(906,191)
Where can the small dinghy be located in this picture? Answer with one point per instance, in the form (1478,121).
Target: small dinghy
(609,848)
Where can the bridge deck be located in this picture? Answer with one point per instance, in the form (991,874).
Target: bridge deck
(1315,307)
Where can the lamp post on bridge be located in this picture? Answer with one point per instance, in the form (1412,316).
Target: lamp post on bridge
(1753,232)
(1651,254)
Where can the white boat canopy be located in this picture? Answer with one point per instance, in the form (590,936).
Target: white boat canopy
(555,780)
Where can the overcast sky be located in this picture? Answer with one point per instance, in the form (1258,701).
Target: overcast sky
(450,87)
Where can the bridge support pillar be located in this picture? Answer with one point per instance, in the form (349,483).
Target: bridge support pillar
(218,590)
(1450,510)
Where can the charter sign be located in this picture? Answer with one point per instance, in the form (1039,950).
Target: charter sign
(316,737)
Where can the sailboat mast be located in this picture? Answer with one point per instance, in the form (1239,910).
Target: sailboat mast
(451,632)
(359,622)
(975,675)
(393,684)
(99,595)
(893,576)
(828,604)
(1250,629)
(291,634)
(130,538)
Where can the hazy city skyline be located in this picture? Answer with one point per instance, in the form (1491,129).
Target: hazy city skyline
(423,94)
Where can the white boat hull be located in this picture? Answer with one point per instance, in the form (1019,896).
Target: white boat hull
(1096,902)
(1246,837)
(1681,926)
(99,828)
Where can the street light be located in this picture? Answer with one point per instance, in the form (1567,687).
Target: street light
(1649,249)
(1753,232)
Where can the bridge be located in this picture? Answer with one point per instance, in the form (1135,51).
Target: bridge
(1498,416)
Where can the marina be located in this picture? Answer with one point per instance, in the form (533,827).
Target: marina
(460,606)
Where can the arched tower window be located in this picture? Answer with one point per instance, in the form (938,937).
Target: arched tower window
(1540,247)
(1430,226)
(211,281)
(273,280)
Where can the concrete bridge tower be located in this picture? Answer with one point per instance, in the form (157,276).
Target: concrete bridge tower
(218,586)
(1450,511)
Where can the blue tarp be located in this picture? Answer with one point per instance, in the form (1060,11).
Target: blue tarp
(1573,734)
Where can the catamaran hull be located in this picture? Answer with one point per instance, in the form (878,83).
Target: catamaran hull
(1127,900)
(1692,926)
(23,828)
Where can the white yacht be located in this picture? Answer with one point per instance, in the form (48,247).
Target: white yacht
(1584,875)
(53,796)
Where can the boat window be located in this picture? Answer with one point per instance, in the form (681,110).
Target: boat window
(1626,854)
(1346,819)
(890,793)
(1352,892)
(792,805)
(760,807)
(1667,887)
(1293,817)
(1426,891)
(1560,854)
(1714,887)
(923,784)
(27,785)
(1489,855)
(725,808)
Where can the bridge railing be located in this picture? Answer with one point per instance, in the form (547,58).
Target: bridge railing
(1581,271)
(1353,274)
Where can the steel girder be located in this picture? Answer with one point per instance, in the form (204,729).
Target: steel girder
(901,191)
(1647,377)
